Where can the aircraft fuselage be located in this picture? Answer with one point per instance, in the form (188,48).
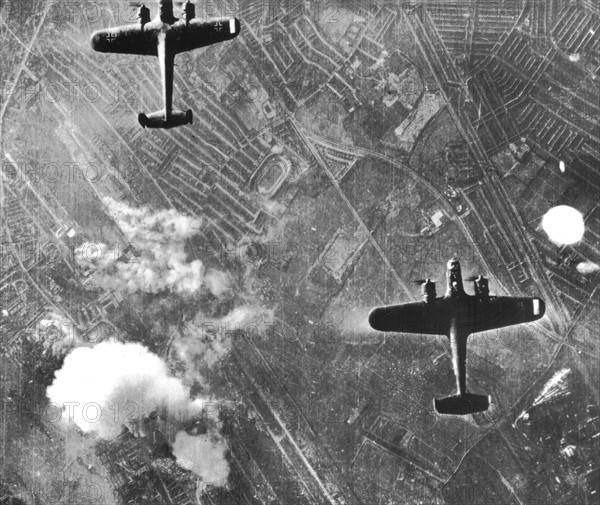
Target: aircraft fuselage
(165,36)
(457,315)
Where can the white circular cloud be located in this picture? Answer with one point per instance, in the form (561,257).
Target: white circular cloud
(564,225)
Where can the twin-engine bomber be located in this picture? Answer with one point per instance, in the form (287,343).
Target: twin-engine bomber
(457,315)
(165,36)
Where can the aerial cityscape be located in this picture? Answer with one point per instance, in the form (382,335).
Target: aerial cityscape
(185,294)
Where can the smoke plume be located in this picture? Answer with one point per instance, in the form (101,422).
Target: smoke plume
(112,385)
(203,455)
(154,260)
(555,389)
(206,341)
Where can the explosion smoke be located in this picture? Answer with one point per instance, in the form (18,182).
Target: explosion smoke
(59,333)
(555,389)
(112,385)
(203,455)
(156,260)
(208,341)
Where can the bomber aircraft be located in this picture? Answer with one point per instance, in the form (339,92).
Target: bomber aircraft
(165,36)
(457,315)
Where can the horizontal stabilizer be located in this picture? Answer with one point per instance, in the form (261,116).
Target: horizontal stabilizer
(157,119)
(462,405)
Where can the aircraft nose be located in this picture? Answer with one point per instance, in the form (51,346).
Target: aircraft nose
(376,318)
(95,40)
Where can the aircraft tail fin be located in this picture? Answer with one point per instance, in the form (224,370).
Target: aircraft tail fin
(157,119)
(462,405)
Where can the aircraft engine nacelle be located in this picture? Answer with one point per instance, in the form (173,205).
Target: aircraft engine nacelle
(143,15)
(481,287)
(428,291)
(189,11)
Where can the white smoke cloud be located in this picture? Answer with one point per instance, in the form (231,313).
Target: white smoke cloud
(112,385)
(587,267)
(58,333)
(273,207)
(206,341)
(203,455)
(152,226)
(217,282)
(155,260)
(557,387)
(126,381)
(157,263)
(247,315)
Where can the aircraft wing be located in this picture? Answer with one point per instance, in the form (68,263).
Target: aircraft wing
(413,317)
(503,311)
(130,39)
(197,33)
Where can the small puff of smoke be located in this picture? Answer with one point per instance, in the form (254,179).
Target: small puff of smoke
(217,282)
(587,267)
(245,315)
(206,342)
(59,333)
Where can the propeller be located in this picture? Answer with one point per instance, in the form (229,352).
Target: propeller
(481,284)
(152,3)
(428,290)
(186,7)
(472,278)
(418,282)
(134,3)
